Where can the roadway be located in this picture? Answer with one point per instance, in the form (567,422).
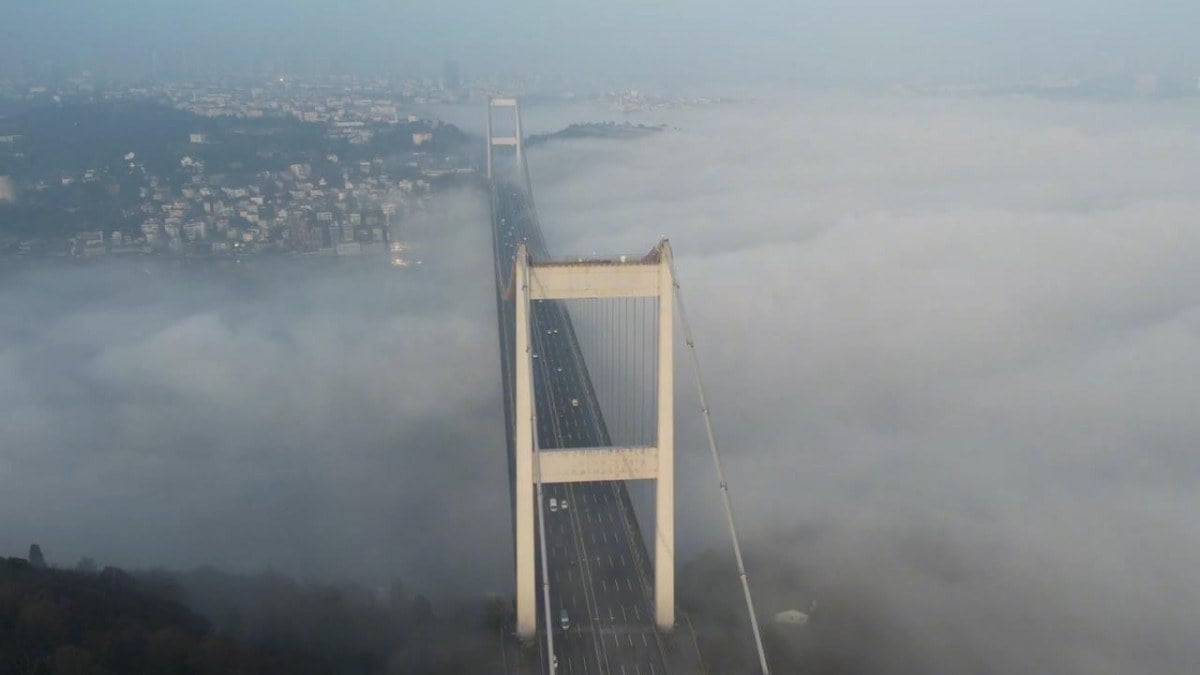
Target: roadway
(600,571)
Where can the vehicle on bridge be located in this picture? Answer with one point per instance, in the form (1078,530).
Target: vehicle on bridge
(564,620)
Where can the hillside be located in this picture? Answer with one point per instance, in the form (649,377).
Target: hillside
(59,622)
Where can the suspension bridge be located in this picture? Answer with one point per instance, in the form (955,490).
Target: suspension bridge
(587,359)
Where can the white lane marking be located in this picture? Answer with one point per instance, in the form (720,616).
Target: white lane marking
(645,643)
(624,616)
(628,584)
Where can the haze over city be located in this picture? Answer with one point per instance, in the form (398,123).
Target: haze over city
(938,261)
(685,44)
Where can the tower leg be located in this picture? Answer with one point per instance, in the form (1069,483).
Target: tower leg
(664,526)
(523,449)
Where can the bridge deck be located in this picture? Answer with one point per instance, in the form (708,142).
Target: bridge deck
(600,570)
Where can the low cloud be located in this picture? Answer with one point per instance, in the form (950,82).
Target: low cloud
(327,418)
(952,347)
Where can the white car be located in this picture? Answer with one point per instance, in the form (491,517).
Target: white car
(553,504)
(564,505)
(574,403)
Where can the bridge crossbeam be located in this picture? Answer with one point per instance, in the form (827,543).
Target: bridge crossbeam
(593,280)
(581,465)
(513,140)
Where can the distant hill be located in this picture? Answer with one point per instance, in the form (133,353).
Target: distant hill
(70,139)
(611,130)
(56,621)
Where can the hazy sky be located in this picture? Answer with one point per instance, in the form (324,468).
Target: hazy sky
(669,41)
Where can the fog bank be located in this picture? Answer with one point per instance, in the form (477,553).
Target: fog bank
(952,348)
(326,418)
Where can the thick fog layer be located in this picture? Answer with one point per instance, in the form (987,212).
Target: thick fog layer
(953,350)
(327,418)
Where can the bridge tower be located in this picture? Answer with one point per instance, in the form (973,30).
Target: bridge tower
(647,277)
(523,497)
(513,141)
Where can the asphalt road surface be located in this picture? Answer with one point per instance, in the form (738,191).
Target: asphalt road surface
(600,573)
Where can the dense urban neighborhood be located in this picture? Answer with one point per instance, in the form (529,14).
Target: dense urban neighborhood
(330,166)
(219,172)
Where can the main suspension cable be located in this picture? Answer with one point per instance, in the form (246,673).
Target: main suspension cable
(712,444)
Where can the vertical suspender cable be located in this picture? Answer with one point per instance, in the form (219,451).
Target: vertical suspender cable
(612,365)
(630,380)
(626,342)
(712,445)
(654,362)
(604,343)
(641,385)
(607,345)
(624,371)
(620,371)
(639,370)
(648,361)
(641,302)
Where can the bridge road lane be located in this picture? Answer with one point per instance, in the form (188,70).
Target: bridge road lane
(606,591)
(605,548)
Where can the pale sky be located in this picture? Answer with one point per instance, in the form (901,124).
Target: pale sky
(664,42)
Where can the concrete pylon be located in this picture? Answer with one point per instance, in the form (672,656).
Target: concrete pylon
(649,277)
(499,102)
(664,487)
(523,451)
